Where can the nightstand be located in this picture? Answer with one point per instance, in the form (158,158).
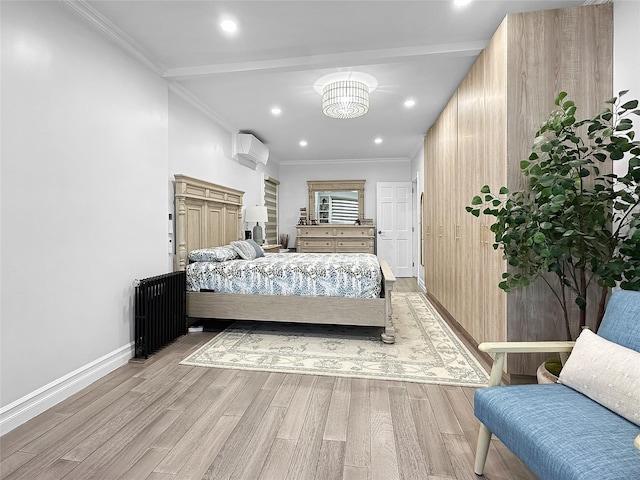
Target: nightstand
(271,248)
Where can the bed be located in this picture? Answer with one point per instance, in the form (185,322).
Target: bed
(209,215)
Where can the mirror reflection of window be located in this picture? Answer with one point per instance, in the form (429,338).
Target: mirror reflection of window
(337,207)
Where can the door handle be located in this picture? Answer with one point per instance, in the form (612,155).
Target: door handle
(379,232)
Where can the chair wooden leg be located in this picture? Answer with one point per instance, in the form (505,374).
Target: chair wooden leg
(484,441)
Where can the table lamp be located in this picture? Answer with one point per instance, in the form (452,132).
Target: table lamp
(256,214)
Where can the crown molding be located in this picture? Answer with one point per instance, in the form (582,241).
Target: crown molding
(273,158)
(194,101)
(104,25)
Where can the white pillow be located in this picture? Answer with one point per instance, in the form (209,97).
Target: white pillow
(605,372)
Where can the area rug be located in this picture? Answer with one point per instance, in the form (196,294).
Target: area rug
(426,349)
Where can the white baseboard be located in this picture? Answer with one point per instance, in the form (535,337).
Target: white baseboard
(33,404)
(421,285)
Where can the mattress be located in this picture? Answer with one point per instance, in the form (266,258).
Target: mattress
(353,275)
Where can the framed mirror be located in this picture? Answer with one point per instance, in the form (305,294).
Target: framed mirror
(336,201)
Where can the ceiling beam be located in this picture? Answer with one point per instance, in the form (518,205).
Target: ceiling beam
(365,57)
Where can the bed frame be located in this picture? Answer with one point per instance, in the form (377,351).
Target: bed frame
(209,215)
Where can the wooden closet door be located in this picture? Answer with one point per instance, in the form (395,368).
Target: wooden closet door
(450,182)
(471,158)
(493,171)
(429,211)
(444,239)
(433,171)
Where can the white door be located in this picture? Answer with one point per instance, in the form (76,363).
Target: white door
(394,226)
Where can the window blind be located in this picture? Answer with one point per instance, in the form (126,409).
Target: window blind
(343,210)
(271,202)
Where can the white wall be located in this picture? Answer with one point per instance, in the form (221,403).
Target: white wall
(626,58)
(417,169)
(91,140)
(200,148)
(293,189)
(83,187)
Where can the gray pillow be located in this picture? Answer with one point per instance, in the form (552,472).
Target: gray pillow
(248,249)
(258,248)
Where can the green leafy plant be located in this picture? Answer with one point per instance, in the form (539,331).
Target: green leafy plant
(575,224)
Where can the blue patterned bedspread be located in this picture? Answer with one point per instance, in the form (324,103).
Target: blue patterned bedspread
(354,275)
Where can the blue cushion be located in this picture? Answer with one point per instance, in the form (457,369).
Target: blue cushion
(621,321)
(559,433)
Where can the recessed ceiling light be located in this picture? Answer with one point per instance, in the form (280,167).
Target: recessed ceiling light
(228,25)
(276,111)
(461,3)
(303,143)
(409,103)
(378,140)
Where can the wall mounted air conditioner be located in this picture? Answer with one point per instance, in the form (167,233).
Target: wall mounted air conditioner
(248,149)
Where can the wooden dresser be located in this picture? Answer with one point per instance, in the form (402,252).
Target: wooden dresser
(336,239)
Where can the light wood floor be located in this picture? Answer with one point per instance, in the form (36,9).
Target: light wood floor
(160,421)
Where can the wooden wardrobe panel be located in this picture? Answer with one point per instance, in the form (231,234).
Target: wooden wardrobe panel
(493,172)
(507,94)
(471,155)
(429,211)
(551,51)
(450,181)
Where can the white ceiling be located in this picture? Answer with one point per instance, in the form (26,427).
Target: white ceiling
(415,49)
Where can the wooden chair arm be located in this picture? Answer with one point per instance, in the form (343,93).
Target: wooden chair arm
(502,348)
(526,347)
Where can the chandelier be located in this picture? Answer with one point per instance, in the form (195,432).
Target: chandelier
(345,99)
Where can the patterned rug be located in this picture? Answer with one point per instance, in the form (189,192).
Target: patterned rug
(426,349)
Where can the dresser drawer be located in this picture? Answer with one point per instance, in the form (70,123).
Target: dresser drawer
(354,232)
(336,238)
(354,246)
(317,245)
(316,232)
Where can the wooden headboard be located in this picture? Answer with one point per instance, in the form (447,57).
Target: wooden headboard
(207,215)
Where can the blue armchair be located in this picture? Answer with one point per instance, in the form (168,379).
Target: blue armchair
(565,433)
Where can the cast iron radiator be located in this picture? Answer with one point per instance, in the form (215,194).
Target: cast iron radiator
(161,312)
